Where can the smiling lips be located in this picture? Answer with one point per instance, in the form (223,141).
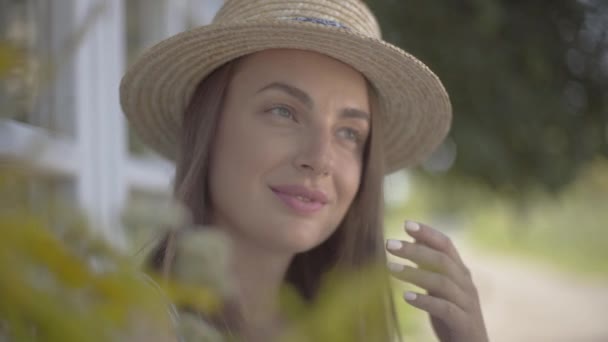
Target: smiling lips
(300,198)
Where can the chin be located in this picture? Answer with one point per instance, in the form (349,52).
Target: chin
(298,238)
(301,247)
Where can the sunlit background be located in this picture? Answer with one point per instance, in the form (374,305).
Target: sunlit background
(521,183)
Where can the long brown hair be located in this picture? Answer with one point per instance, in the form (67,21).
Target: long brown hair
(357,242)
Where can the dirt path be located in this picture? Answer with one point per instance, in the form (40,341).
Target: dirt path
(529,302)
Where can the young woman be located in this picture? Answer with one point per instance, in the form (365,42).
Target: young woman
(283,117)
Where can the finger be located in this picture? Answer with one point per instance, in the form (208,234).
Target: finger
(429,259)
(436,284)
(453,316)
(433,238)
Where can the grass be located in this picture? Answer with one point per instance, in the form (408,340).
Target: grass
(567,231)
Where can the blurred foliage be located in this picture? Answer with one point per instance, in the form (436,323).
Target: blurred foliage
(61,282)
(528,81)
(16,85)
(50,295)
(29,63)
(10,58)
(335,314)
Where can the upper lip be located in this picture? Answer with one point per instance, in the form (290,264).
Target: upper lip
(303,191)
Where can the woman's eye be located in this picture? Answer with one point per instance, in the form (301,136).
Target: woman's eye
(351,134)
(283,111)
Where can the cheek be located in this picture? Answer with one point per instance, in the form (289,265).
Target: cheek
(242,155)
(348,180)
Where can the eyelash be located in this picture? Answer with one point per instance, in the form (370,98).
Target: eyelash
(356,135)
(289,109)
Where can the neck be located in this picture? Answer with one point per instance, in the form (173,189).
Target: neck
(259,274)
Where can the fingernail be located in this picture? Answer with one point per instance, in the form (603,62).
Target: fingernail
(394,245)
(395,267)
(412,226)
(410,296)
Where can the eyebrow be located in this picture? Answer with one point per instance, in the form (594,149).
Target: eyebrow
(353,113)
(290,90)
(303,97)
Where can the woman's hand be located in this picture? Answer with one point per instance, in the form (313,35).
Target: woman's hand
(452,300)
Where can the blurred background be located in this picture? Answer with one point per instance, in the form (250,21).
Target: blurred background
(521,184)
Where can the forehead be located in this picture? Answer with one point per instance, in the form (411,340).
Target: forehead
(301,68)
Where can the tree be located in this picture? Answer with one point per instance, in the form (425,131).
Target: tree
(528,82)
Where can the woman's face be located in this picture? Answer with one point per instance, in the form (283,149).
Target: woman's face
(287,160)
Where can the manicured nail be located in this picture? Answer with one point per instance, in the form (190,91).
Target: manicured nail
(395,267)
(412,226)
(410,296)
(394,245)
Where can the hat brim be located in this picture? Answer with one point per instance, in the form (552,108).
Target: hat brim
(414,105)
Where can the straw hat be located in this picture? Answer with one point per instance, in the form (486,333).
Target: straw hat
(414,105)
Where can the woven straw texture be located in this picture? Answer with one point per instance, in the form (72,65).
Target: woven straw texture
(414,105)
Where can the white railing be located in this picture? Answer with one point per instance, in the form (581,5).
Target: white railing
(91,145)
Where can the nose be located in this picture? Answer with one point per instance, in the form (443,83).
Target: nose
(315,156)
